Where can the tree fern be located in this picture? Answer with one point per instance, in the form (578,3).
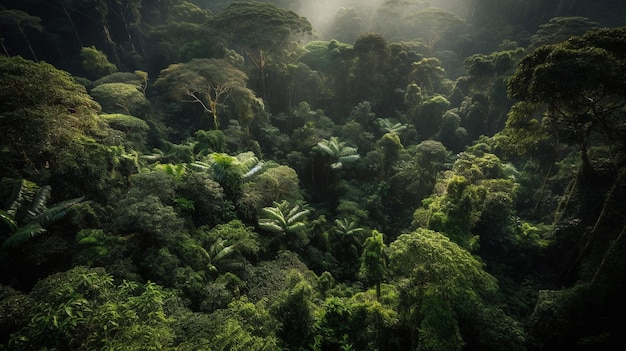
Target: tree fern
(387,125)
(338,152)
(284,220)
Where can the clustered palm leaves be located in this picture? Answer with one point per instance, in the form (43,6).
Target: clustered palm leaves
(282,218)
(230,171)
(217,253)
(387,125)
(338,151)
(28,216)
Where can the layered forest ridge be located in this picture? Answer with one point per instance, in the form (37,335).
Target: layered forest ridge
(312,175)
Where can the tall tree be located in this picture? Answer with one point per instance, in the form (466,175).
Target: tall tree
(210,83)
(373,261)
(447,297)
(576,88)
(286,221)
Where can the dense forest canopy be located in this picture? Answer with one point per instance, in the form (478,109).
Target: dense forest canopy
(312,175)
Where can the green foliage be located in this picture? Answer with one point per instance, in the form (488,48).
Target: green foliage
(212,210)
(95,63)
(229,171)
(582,103)
(46,116)
(135,129)
(83,309)
(445,291)
(209,84)
(120,98)
(272,185)
(210,205)
(28,214)
(326,56)
(559,29)
(241,20)
(373,261)
(295,311)
(16,310)
(209,141)
(338,152)
(244,325)
(429,117)
(157,223)
(287,222)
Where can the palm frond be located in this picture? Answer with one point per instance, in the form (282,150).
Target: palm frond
(26,213)
(349,158)
(22,191)
(57,212)
(8,220)
(271,226)
(296,217)
(296,227)
(223,253)
(323,145)
(202,166)
(23,234)
(347,151)
(274,214)
(253,170)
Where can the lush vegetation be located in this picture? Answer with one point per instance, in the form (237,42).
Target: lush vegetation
(400,175)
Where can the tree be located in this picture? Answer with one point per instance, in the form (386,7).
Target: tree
(428,74)
(576,88)
(46,117)
(369,75)
(120,98)
(95,63)
(272,185)
(373,265)
(286,221)
(391,146)
(560,29)
(230,171)
(209,83)
(447,296)
(84,309)
(429,116)
(433,25)
(338,152)
(242,20)
(295,311)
